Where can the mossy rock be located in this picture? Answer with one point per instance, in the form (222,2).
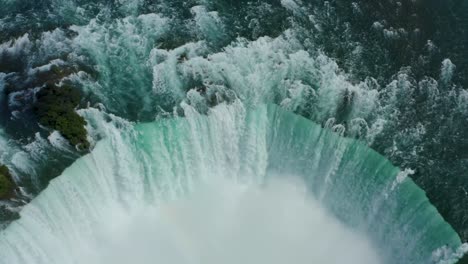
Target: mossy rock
(55,109)
(6,184)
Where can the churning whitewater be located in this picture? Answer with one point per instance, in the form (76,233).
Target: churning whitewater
(203,132)
(235,185)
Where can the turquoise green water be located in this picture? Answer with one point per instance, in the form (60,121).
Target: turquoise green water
(381,213)
(391,74)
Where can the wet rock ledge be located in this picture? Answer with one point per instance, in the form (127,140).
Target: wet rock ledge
(7,185)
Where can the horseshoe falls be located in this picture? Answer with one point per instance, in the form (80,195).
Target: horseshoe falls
(236,185)
(203,131)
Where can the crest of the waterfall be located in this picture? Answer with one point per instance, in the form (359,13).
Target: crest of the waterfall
(234,185)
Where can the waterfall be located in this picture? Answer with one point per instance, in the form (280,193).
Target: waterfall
(238,184)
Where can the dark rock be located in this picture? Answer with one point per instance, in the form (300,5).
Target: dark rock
(7,185)
(55,109)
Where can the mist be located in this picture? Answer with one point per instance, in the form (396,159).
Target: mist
(227,222)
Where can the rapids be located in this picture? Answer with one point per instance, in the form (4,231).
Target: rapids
(214,111)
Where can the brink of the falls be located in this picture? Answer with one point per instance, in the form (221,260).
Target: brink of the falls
(233,186)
